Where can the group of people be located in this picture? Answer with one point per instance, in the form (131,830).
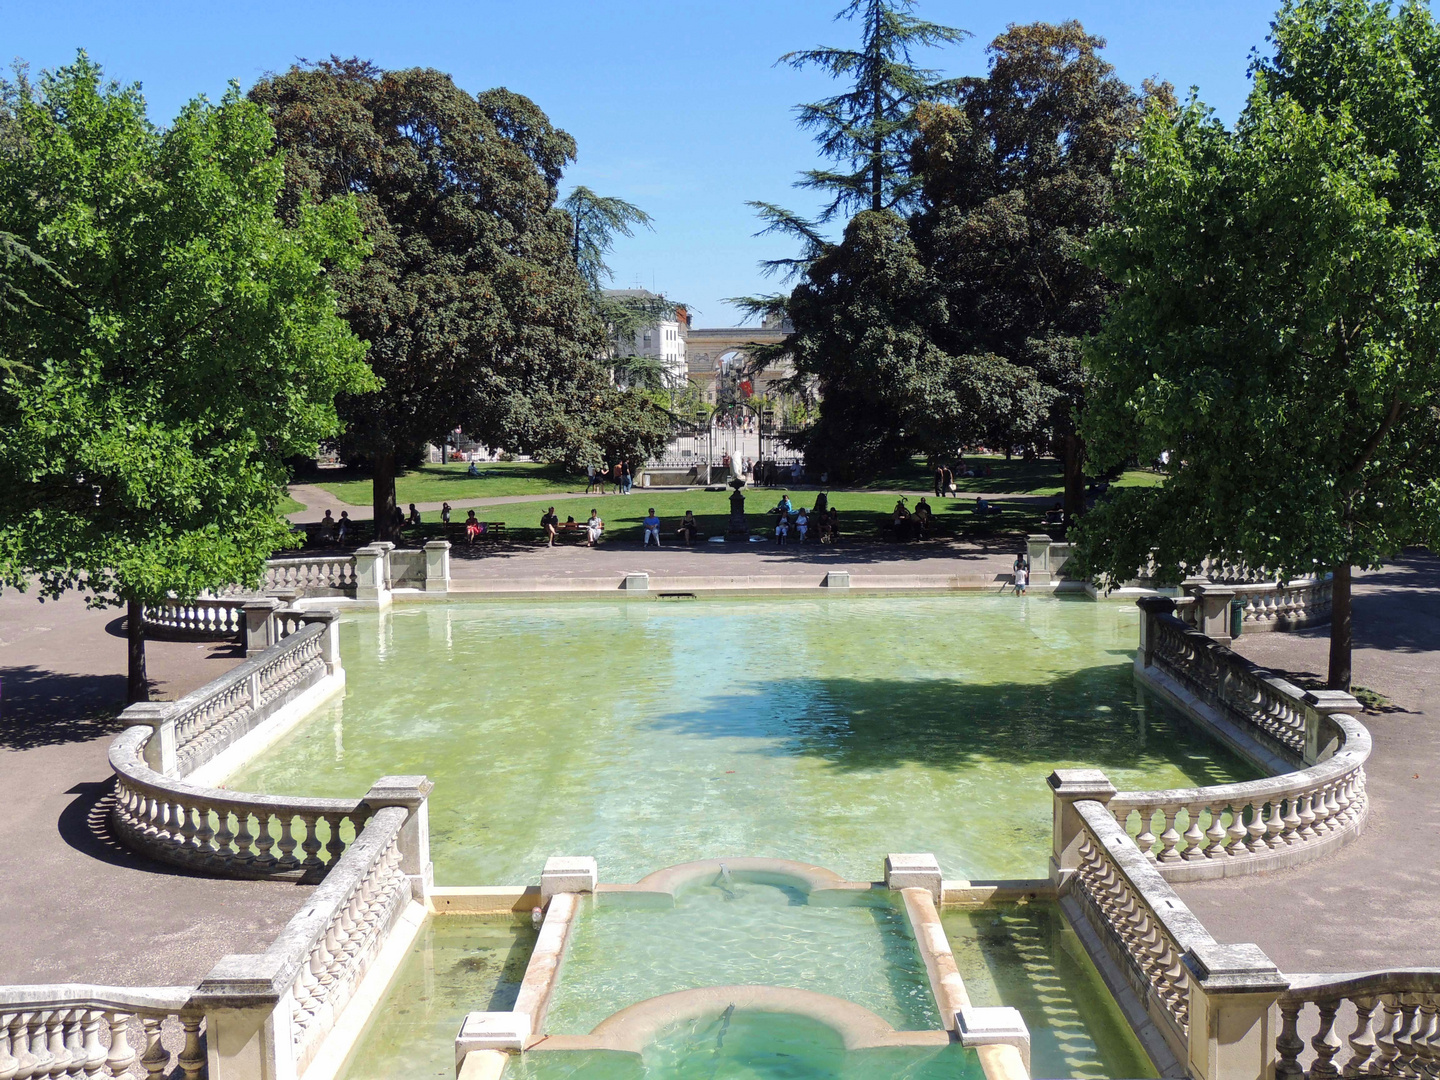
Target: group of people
(338,531)
(945,476)
(824,520)
(552,526)
(914,524)
(618,474)
(772,473)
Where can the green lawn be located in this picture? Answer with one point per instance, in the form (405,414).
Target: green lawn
(289,505)
(862,514)
(446,483)
(1042,476)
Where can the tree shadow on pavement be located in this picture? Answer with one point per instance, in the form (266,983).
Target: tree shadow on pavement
(39,707)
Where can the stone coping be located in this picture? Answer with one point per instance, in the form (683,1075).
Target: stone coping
(136,999)
(1351,984)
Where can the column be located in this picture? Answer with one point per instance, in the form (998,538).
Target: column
(1150,607)
(1318,734)
(411,792)
(248,1019)
(260,624)
(330,640)
(161,752)
(1069,786)
(437,566)
(372,574)
(1233,1013)
(1214,615)
(1037,546)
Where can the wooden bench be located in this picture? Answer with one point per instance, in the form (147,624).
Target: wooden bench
(493,530)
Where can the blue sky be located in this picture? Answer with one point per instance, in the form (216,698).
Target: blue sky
(676,106)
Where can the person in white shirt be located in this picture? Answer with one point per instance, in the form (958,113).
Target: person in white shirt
(593,529)
(802,524)
(1022,579)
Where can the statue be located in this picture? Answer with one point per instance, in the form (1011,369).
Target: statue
(737,529)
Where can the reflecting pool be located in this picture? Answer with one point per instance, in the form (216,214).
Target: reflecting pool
(458,964)
(829,731)
(855,946)
(1026,956)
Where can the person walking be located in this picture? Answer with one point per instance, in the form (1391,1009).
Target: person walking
(939,481)
(652,528)
(589,479)
(626,478)
(444,513)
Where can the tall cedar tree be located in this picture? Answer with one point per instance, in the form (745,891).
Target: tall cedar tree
(472,302)
(1013,179)
(1280,318)
(166,344)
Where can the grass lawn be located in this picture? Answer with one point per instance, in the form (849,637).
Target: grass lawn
(446,483)
(862,514)
(1042,476)
(288,506)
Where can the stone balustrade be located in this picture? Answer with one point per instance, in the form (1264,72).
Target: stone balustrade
(205,619)
(327,575)
(1394,1030)
(78,1030)
(1201,1008)
(222,832)
(1295,604)
(1317,803)
(194,729)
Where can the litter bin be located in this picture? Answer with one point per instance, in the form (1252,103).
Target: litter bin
(1237,617)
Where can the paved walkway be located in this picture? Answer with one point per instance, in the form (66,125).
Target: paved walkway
(1377,902)
(77,907)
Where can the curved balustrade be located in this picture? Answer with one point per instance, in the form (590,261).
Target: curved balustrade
(207,618)
(315,575)
(1257,825)
(78,1030)
(1395,1029)
(1272,606)
(222,832)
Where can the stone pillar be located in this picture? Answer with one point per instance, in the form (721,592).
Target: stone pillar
(249,1031)
(1322,703)
(1070,786)
(411,792)
(920,871)
(1150,606)
(1213,617)
(260,631)
(1233,1015)
(437,566)
(372,573)
(568,874)
(330,640)
(161,752)
(635,582)
(1038,549)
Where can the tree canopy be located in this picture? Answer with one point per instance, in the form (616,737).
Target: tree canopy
(1014,175)
(1277,327)
(168,342)
(472,301)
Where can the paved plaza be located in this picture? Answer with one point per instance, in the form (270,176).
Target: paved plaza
(81,909)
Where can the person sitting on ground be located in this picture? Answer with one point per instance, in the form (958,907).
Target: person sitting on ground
(444,513)
(399,519)
(782,529)
(474,469)
(594,528)
(689,528)
(784,506)
(342,527)
(802,524)
(652,528)
(982,507)
(473,528)
(548,524)
(327,526)
(414,515)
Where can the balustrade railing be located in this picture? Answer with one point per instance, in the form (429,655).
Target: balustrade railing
(314,576)
(1146,924)
(1391,1017)
(1303,602)
(78,1030)
(217,714)
(222,832)
(207,618)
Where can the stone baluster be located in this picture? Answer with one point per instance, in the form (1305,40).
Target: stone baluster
(1169,838)
(1362,1039)
(335,847)
(1386,1033)
(1406,1055)
(1194,836)
(1145,838)
(287,843)
(1238,833)
(39,1058)
(244,839)
(72,1044)
(1288,1044)
(91,1051)
(156,1057)
(311,844)
(1428,1046)
(192,1055)
(9,1063)
(1325,1043)
(1217,833)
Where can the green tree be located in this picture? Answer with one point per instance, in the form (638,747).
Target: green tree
(867,130)
(174,345)
(864,316)
(1014,176)
(476,313)
(595,221)
(1278,324)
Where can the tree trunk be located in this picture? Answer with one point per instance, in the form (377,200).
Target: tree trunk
(1072,456)
(1341,633)
(383,494)
(137,686)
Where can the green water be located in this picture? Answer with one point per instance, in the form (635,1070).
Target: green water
(458,964)
(855,946)
(1025,956)
(751,1046)
(830,731)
